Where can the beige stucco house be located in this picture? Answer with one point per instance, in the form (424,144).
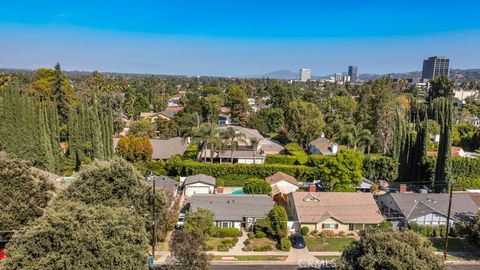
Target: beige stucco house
(336,211)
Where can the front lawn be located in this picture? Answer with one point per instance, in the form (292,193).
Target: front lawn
(246,258)
(328,244)
(260,244)
(221,244)
(454,245)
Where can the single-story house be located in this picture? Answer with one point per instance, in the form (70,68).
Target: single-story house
(223,120)
(426,208)
(233,211)
(164,149)
(166,183)
(270,147)
(282,184)
(336,211)
(365,186)
(322,146)
(199,184)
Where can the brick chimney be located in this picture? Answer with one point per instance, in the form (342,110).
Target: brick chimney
(219,190)
(312,188)
(403,188)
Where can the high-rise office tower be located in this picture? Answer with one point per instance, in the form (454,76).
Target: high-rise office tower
(435,66)
(338,77)
(305,74)
(353,73)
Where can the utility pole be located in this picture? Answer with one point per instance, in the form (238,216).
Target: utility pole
(445,248)
(154,242)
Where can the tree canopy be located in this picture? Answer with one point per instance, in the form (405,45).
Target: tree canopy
(72,235)
(257,186)
(342,172)
(388,249)
(25,193)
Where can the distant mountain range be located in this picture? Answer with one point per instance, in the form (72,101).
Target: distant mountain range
(466,74)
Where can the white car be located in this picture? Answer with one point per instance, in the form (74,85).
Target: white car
(180,221)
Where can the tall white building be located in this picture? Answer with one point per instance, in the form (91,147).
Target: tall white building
(338,77)
(305,74)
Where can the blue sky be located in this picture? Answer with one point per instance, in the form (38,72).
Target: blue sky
(229,38)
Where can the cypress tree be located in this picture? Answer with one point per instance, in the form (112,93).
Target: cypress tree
(443,166)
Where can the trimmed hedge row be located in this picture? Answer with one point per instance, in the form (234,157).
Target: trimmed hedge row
(280,159)
(186,167)
(226,232)
(466,167)
(297,151)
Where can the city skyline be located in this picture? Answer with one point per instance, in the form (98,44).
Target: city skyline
(240,39)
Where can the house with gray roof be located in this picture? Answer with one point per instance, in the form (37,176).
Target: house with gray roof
(322,146)
(199,184)
(425,208)
(167,184)
(231,210)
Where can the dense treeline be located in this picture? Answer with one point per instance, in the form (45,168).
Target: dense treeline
(46,122)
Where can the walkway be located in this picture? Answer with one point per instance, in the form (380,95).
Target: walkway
(239,246)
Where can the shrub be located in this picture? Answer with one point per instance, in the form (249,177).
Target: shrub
(281,159)
(304,230)
(222,247)
(210,247)
(251,235)
(385,225)
(341,233)
(191,152)
(226,232)
(378,167)
(220,182)
(297,151)
(260,234)
(257,187)
(265,247)
(285,244)
(327,233)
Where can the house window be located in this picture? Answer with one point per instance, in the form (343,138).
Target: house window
(329,226)
(225,224)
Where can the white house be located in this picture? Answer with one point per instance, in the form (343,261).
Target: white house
(199,184)
(282,184)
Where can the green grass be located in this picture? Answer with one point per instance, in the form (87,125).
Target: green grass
(245,258)
(454,245)
(328,244)
(214,242)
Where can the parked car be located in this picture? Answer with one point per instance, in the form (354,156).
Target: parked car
(180,221)
(2,249)
(298,241)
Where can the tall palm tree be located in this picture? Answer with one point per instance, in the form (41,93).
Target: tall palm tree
(207,134)
(254,142)
(353,134)
(233,139)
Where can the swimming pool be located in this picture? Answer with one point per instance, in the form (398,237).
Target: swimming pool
(238,191)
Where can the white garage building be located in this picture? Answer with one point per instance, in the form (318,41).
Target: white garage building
(199,184)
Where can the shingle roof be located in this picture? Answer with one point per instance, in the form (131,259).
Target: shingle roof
(413,205)
(164,149)
(167,183)
(279,176)
(346,207)
(270,146)
(233,207)
(202,178)
(324,145)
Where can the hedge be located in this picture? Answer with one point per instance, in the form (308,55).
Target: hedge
(226,232)
(297,151)
(235,180)
(378,167)
(466,167)
(463,183)
(280,159)
(186,167)
(285,244)
(428,231)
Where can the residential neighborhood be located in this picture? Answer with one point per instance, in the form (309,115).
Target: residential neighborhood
(207,135)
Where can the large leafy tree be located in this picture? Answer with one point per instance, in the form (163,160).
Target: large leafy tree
(304,122)
(277,218)
(135,149)
(441,86)
(114,183)
(200,223)
(73,235)
(187,252)
(389,249)
(342,172)
(26,192)
(257,186)
(236,100)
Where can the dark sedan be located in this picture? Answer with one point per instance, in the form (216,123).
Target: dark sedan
(298,241)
